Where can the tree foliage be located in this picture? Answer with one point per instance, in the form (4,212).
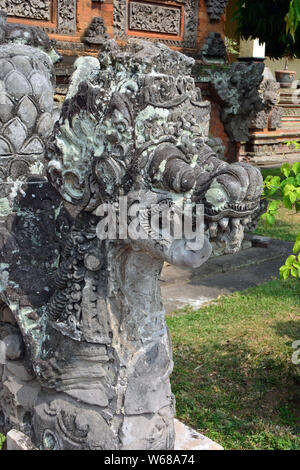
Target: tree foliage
(285,190)
(275,22)
(293,18)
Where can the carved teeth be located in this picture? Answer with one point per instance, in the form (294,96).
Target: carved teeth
(246,220)
(213,229)
(224,223)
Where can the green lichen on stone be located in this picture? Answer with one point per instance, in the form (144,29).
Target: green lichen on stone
(217,196)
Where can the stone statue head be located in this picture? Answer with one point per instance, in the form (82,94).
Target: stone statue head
(14,33)
(134,124)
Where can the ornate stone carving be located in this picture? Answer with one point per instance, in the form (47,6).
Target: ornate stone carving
(275,118)
(66,21)
(159,18)
(236,87)
(66,13)
(154,18)
(38,10)
(260,121)
(28,204)
(28,35)
(269,94)
(214,49)
(216,8)
(96,32)
(97,346)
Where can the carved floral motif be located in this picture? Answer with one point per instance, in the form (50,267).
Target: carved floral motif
(216,8)
(154,18)
(163,19)
(36,9)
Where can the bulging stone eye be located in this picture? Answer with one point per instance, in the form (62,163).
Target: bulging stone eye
(169,169)
(178,176)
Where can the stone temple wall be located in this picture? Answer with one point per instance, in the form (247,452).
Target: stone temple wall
(182,24)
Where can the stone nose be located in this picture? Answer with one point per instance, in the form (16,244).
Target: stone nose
(242,182)
(169,169)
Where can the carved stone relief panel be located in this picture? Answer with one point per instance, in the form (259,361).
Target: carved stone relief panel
(38,10)
(42,10)
(153,18)
(216,8)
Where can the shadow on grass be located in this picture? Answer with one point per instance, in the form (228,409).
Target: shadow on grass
(290,329)
(237,397)
(234,379)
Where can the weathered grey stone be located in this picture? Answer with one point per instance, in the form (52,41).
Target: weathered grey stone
(275,118)
(6,315)
(96,32)
(14,33)
(214,49)
(236,89)
(14,346)
(17,368)
(215,8)
(17,440)
(189,439)
(89,308)
(270,116)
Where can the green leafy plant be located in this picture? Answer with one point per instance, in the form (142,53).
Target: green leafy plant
(274,22)
(232,46)
(293,18)
(2,440)
(285,189)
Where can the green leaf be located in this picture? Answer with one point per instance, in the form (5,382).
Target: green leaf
(287,203)
(270,219)
(296,168)
(284,274)
(290,260)
(296,247)
(294,272)
(291,180)
(297,8)
(273,206)
(288,188)
(286,169)
(293,197)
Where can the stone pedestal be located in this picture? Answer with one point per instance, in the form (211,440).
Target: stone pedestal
(186,438)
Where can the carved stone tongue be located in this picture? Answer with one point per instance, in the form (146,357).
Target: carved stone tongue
(183,254)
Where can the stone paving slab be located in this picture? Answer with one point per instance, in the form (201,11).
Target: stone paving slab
(222,275)
(16,440)
(187,438)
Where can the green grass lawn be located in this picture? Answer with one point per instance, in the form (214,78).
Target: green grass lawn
(234,379)
(286,227)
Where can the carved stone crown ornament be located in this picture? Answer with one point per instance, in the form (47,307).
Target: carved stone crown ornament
(216,8)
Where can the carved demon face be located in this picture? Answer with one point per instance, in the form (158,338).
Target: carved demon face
(134,124)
